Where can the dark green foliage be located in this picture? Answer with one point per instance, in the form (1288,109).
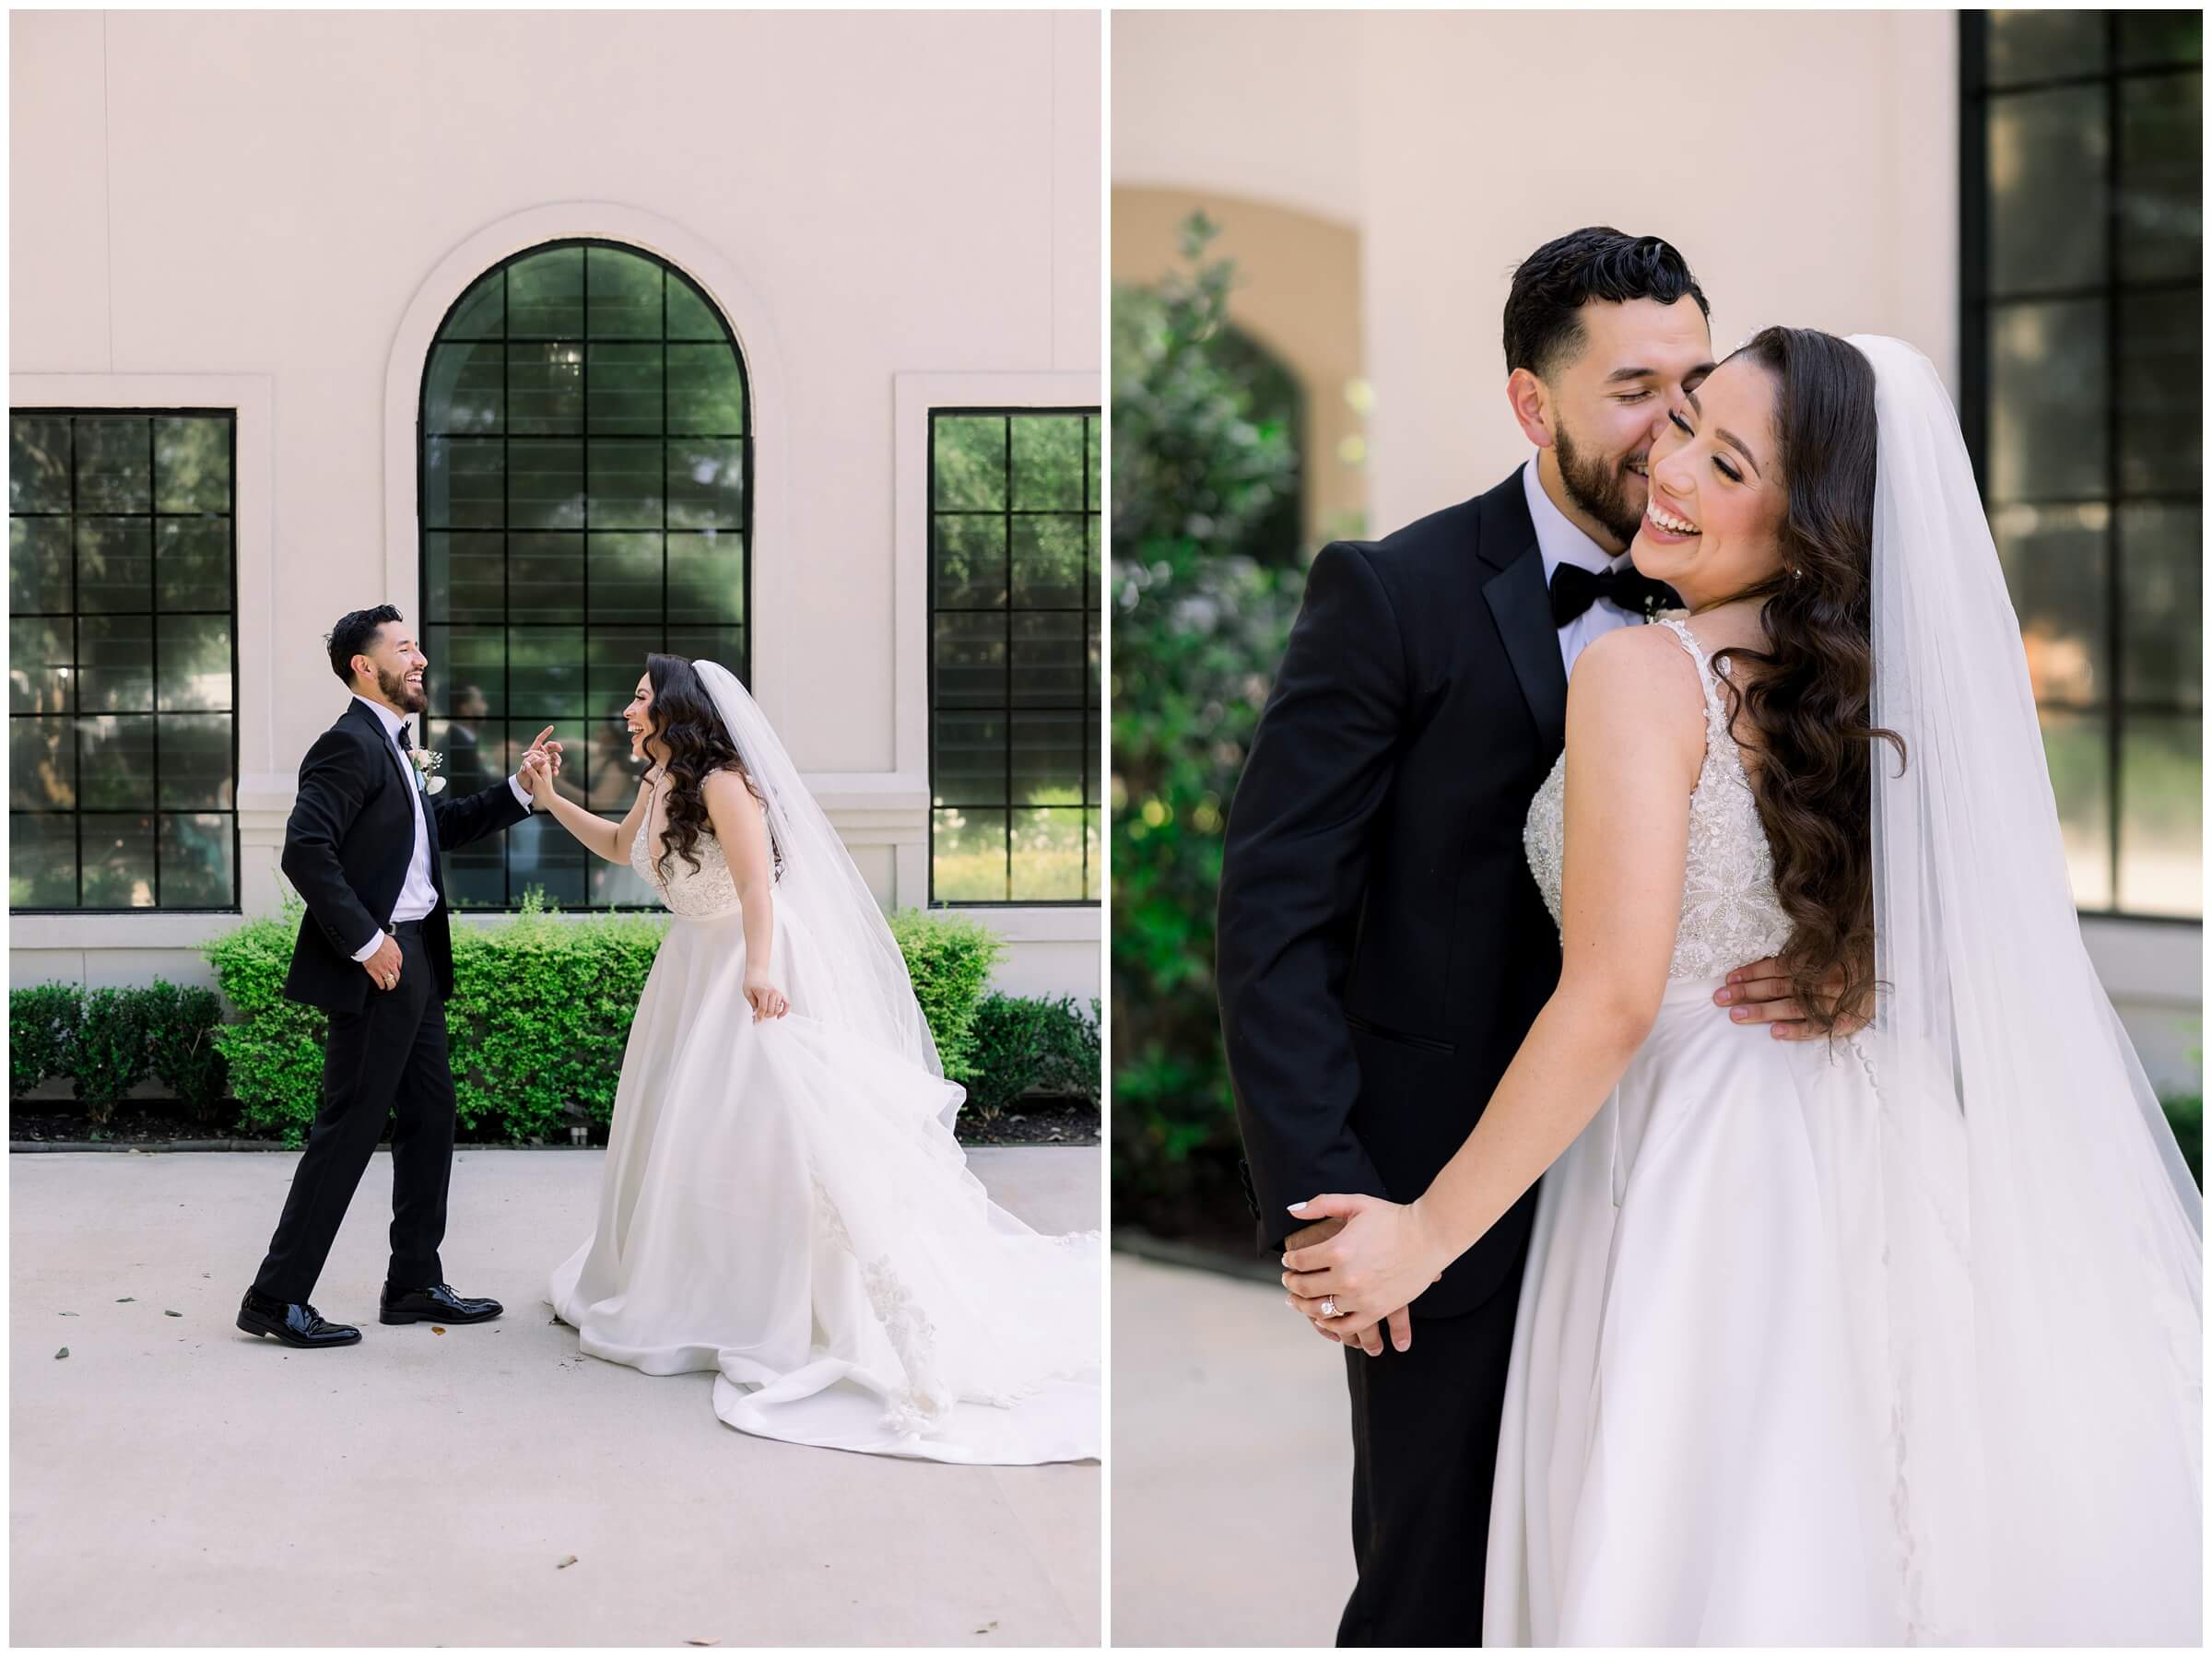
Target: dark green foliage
(2186,1117)
(1199,627)
(540,1016)
(110,1057)
(1030,1042)
(539,1021)
(949,959)
(42,1034)
(275,1050)
(181,1049)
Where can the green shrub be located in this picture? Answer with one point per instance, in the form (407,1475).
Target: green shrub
(274,1052)
(181,1049)
(42,1034)
(110,1058)
(1024,1042)
(949,958)
(1200,624)
(540,1016)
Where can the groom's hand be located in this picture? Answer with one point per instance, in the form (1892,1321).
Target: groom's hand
(1370,1341)
(383,966)
(1761,992)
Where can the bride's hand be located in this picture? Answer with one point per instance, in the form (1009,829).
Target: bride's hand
(1386,1255)
(767,1002)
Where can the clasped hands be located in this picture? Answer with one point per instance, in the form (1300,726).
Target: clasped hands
(540,766)
(1355,1268)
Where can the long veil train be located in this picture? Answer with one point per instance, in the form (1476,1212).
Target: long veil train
(2044,1237)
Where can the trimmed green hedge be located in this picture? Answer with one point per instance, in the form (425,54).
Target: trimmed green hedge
(539,1017)
(1026,1044)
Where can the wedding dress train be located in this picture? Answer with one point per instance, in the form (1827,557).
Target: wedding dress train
(785,1203)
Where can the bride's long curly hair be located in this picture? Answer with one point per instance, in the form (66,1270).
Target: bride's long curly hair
(1812,698)
(690,733)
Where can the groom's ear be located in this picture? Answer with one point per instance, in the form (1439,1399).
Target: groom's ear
(1530,400)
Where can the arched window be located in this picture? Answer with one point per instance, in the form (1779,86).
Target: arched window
(584,498)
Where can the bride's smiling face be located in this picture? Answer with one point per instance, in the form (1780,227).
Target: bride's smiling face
(638,716)
(1713,524)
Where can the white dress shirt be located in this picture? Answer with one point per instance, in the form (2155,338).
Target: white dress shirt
(418,897)
(1561,543)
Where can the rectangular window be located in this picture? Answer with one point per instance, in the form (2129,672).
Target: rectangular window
(122,662)
(2081,350)
(1013,656)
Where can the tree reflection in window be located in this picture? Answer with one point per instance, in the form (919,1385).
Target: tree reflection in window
(2082,351)
(585,498)
(1014,665)
(122,751)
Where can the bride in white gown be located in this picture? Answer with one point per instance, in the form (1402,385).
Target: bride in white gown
(1892,1338)
(783,1201)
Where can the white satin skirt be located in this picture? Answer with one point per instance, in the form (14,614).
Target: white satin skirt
(1697,1446)
(784,1205)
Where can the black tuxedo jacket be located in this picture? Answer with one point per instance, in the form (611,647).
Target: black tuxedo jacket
(1382,948)
(346,852)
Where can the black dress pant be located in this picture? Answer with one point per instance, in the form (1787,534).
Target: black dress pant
(1425,1447)
(386,1062)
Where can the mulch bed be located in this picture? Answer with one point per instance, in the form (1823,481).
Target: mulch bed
(1040,1122)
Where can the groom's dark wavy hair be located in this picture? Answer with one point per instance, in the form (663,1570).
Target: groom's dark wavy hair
(686,725)
(1812,699)
(1542,320)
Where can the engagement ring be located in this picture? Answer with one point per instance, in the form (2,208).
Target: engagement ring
(1328,1306)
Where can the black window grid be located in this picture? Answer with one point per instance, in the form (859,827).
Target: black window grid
(583,337)
(1980,305)
(154,611)
(1090,809)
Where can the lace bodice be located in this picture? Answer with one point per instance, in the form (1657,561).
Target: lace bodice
(1730,913)
(709,890)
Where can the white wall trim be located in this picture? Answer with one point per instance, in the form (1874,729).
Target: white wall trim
(914,396)
(775,568)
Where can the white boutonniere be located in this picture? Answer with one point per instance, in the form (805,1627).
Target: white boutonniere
(428,760)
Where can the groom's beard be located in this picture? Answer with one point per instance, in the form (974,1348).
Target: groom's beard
(399,693)
(1600,488)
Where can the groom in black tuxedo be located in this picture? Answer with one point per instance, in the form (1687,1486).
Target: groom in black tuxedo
(1382,948)
(375,952)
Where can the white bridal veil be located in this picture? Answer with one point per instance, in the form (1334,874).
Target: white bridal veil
(863,988)
(2044,1237)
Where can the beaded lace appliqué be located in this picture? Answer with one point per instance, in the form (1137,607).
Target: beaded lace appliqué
(1729,913)
(709,889)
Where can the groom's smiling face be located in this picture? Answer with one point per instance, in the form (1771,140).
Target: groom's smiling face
(392,661)
(1600,404)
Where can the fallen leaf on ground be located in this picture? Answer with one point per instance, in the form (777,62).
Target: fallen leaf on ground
(124,1299)
(63,1353)
(988,1627)
(566,1563)
(435,1330)
(172,1314)
(702,1642)
(68,1315)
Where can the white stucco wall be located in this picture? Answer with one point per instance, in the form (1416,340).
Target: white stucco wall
(1805,163)
(279,199)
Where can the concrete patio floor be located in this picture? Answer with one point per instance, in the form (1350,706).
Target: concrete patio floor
(175,1482)
(1232,1464)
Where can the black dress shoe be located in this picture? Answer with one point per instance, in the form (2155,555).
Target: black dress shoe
(436,1304)
(294,1323)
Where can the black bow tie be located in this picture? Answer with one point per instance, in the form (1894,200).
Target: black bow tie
(404,745)
(1574,590)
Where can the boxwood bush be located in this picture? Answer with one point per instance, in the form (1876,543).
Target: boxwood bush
(1030,1044)
(539,1017)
